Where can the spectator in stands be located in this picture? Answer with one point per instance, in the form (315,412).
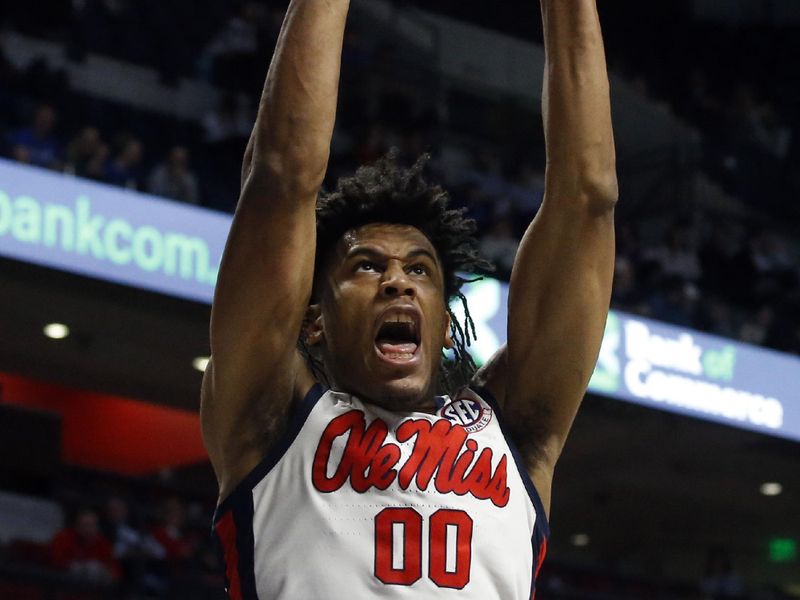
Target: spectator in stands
(755,121)
(530,180)
(673,301)
(227,128)
(677,254)
(756,329)
(173,178)
(231,120)
(169,532)
(84,551)
(37,144)
(136,552)
(769,266)
(627,293)
(125,169)
(87,154)
(770,254)
(234,50)
(129,542)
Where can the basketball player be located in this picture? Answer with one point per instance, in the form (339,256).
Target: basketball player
(342,473)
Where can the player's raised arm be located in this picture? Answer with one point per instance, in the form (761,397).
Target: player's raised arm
(266,274)
(561,281)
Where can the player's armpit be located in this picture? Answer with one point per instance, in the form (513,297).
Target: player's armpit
(528,424)
(237,441)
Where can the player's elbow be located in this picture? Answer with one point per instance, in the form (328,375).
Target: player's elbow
(584,177)
(596,186)
(600,193)
(596,194)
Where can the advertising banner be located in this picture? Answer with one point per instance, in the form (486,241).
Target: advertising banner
(699,375)
(109,233)
(669,368)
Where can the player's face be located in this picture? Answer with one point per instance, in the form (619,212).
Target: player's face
(383,319)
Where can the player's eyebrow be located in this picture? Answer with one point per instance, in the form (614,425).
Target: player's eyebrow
(422,252)
(375,254)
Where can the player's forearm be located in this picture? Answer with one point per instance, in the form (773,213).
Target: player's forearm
(292,136)
(576,106)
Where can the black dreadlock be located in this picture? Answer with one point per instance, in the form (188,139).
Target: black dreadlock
(388,193)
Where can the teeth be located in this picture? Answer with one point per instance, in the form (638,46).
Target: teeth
(402,356)
(400,319)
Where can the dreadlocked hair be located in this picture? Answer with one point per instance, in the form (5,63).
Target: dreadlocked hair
(385,192)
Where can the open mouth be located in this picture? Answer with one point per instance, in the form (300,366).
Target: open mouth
(398,338)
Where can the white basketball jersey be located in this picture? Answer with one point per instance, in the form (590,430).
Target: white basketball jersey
(357,502)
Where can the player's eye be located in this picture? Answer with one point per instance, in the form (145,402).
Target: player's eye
(419,269)
(366,265)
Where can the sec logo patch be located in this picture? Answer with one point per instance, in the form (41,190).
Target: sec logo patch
(468,413)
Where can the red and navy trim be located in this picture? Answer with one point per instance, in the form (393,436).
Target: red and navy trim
(539,543)
(234,530)
(233,519)
(541,529)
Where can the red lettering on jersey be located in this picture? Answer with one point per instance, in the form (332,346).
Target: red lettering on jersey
(364,452)
(442,454)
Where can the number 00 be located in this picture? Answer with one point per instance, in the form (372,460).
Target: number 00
(449,547)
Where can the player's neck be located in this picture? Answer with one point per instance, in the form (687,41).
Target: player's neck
(425,402)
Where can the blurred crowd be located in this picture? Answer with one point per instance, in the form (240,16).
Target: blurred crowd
(722,67)
(731,279)
(717,274)
(87,154)
(711,272)
(111,546)
(133,540)
(731,81)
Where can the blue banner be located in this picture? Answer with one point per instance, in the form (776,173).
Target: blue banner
(134,239)
(109,233)
(699,375)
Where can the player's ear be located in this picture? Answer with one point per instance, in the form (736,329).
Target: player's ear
(448,332)
(312,325)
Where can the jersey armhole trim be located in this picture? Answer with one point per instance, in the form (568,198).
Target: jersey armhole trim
(541,516)
(298,418)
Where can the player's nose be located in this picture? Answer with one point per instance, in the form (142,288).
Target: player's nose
(396,282)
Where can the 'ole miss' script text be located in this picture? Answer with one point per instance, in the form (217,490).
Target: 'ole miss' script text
(442,454)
